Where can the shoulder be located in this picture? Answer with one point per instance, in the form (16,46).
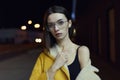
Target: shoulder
(83,50)
(84,55)
(45,54)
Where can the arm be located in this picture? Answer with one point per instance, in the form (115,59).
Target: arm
(84,56)
(87,70)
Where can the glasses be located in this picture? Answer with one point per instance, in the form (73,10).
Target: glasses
(58,23)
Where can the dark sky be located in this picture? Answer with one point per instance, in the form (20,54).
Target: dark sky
(14,13)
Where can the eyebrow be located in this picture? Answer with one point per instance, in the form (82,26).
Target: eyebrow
(56,21)
(59,20)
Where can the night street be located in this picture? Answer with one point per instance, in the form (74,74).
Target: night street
(26,26)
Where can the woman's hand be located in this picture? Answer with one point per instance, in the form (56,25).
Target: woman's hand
(61,60)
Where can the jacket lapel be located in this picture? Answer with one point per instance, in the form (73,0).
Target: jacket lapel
(64,68)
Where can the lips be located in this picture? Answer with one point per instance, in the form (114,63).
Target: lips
(58,34)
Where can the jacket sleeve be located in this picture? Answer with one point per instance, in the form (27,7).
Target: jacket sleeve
(38,73)
(88,73)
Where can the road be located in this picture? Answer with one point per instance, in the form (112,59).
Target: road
(18,67)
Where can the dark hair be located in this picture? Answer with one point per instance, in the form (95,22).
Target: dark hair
(49,39)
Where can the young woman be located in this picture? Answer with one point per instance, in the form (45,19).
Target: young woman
(62,59)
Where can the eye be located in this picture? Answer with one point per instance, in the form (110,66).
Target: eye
(60,22)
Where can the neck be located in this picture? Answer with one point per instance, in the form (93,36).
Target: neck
(64,42)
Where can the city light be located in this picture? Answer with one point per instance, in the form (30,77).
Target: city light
(37,26)
(23,27)
(38,40)
(74,32)
(29,22)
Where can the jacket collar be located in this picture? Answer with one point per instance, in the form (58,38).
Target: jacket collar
(63,68)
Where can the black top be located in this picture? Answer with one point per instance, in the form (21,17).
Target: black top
(74,68)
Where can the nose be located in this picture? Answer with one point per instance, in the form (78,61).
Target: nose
(56,28)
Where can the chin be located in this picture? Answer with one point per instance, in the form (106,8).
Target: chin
(60,38)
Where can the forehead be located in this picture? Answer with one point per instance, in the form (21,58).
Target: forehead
(56,16)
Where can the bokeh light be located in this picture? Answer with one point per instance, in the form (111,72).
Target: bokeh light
(29,22)
(38,40)
(23,27)
(37,26)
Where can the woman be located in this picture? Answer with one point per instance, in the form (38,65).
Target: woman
(62,59)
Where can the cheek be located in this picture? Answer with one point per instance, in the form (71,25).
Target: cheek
(66,29)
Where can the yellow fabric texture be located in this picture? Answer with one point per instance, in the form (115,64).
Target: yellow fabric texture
(43,63)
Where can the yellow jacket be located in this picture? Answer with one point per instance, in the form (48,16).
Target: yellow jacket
(43,63)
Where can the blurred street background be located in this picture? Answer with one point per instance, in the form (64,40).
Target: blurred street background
(96,24)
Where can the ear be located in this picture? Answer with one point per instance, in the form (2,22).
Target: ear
(70,23)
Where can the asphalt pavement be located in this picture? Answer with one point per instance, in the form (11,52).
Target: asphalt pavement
(18,67)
